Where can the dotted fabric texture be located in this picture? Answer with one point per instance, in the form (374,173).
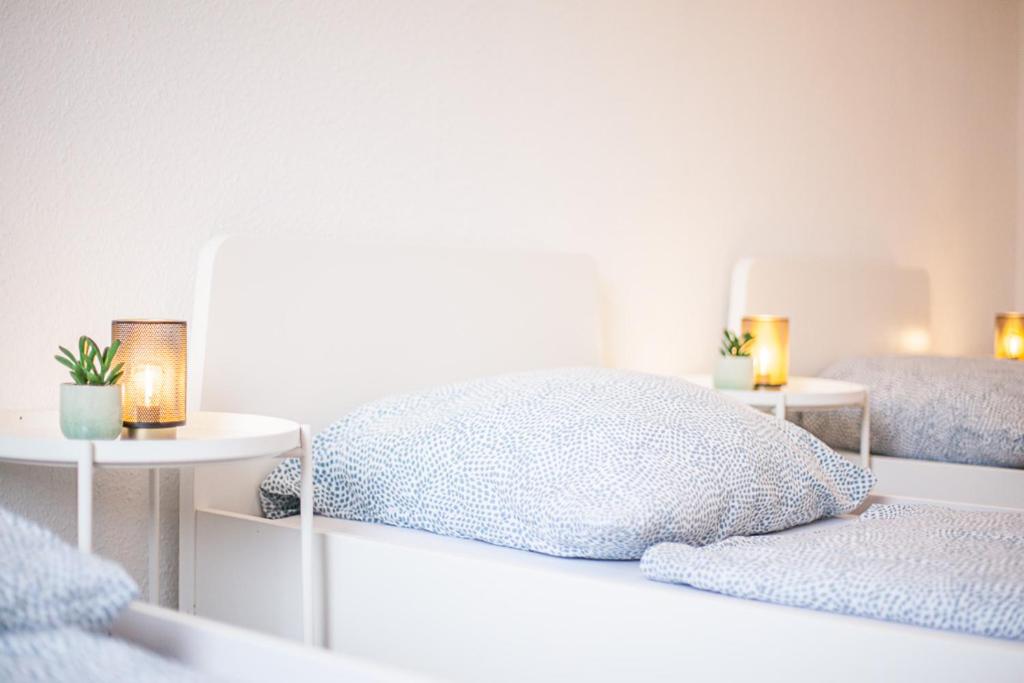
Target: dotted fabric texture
(931,566)
(580,462)
(45,583)
(965,410)
(74,656)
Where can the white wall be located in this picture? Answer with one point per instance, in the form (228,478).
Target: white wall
(664,138)
(1019,305)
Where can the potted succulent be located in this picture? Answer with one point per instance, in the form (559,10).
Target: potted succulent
(90,407)
(735,369)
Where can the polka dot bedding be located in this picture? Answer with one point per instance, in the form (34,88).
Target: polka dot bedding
(928,566)
(964,410)
(45,583)
(71,655)
(579,462)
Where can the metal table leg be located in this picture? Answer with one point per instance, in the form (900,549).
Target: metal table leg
(85,464)
(865,433)
(306,529)
(154,536)
(780,406)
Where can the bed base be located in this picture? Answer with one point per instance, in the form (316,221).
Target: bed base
(949,482)
(230,653)
(467,611)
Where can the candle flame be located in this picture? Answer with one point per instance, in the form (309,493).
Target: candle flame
(1014,345)
(149,382)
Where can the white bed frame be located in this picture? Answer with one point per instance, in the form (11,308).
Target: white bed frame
(308,330)
(229,653)
(839,309)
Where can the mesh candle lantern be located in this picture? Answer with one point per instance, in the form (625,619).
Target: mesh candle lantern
(770,348)
(1010,336)
(154,357)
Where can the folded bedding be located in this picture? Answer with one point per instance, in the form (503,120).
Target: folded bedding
(578,462)
(962,410)
(73,655)
(46,583)
(56,604)
(924,565)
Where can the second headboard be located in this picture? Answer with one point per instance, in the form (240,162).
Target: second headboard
(836,308)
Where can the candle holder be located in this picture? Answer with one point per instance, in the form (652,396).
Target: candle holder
(154,355)
(1009,342)
(770,348)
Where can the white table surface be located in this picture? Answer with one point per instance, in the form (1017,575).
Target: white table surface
(35,437)
(799,393)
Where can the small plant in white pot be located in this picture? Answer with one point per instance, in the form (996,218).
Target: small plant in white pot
(90,407)
(735,369)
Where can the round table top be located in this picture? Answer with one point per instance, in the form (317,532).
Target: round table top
(35,437)
(800,392)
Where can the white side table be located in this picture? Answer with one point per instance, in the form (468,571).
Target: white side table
(35,438)
(804,394)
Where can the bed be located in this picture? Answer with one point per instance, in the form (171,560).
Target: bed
(66,615)
(843,309)
(395,319)
(229,653)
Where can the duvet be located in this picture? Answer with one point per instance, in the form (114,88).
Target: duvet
(924,565)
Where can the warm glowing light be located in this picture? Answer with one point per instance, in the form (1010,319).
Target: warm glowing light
(915,340)
(763,361)
(770,348)
(149,380)
(1009,338)
(154,355)
(1013,345)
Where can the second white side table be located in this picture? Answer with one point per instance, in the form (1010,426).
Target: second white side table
(804,394)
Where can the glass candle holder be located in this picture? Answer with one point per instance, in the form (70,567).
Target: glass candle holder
(154,354)
(770,348)
(1009,341)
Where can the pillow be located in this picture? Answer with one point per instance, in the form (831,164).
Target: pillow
(965,410)
(581,462)
(45,583)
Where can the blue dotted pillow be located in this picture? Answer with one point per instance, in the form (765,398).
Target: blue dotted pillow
(581,462)
(964,410)
(45,583)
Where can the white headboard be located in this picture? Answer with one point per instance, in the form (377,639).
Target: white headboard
(836,308)
(307,330)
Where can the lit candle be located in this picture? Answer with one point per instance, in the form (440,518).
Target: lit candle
(1009,338)
(770,348)
(149,383)
(154,354)
(1013,345)
(764,362)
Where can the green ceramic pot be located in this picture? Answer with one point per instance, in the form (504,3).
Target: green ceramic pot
(90,412)
(734,372)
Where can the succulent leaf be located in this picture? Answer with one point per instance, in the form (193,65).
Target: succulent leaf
(735,345)
(83,368)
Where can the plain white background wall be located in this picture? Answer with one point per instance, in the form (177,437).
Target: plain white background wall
(664,138)
(1020,158)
